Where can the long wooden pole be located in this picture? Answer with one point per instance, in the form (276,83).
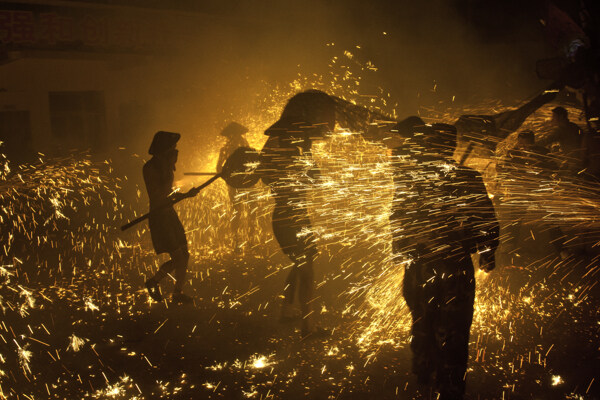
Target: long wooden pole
(171,202)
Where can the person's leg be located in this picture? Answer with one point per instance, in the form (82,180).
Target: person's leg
(287,225)
(180,259)
(164,270)
(306,293)
(250,217)
(288,313)
(289,291)
(423,340)
(237,208)
(422,343)
(452,334)
(152,284)
(285,234)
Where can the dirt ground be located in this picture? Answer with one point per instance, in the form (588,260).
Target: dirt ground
(229,343)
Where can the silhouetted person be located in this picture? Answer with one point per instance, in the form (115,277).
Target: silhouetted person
(569,138)
(441,214)
(307,116)
(234,133)
(166,230)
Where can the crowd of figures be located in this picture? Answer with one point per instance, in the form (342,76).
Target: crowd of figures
(442,216)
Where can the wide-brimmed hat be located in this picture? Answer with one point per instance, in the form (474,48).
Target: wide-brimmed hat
(234,129)
(309,114)
(163,141)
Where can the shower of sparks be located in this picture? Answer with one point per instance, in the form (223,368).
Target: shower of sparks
(118,390)
(65,268)
(24,357)
(76,343)
(259,362)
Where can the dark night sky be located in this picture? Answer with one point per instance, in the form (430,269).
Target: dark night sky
(468,49)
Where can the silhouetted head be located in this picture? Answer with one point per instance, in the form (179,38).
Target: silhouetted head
(560,115)
(163,141)
(525,139)
(234,129)
(312,106)
(163,146)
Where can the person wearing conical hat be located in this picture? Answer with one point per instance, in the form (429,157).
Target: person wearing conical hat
(306,117)
(168,235)
(234,134)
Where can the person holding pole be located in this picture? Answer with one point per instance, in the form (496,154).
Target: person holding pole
(168,235)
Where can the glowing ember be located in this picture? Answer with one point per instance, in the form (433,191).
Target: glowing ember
(557,380)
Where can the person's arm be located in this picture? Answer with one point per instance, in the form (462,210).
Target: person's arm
(384,134)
